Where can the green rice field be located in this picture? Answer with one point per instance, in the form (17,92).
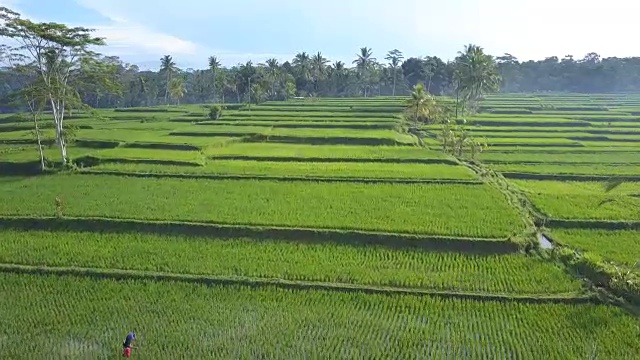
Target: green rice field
(323,229)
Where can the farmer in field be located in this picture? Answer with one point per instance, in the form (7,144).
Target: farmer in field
(127,344)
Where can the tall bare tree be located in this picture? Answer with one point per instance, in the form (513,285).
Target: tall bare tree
(55,52)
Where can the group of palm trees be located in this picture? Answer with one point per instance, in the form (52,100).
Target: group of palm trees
(312,75)
(475,75)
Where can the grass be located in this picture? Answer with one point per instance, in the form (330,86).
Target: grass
(325,114)
(603,158)
(324,151)
(30,153)
(304,118)
(582,200)
(236,131)
(87,318)
(572,169)
(298,124)
(150,154)
(479,211)
(270,131)
(367,265)
(306,169)
(162,137)
(620,246)
(532,141)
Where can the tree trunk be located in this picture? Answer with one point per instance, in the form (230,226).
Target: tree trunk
(35,122)
(394,83)
(214,87)
(457,102)
(166,90)
(58,116)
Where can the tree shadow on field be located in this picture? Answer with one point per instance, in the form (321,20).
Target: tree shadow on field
(218,232)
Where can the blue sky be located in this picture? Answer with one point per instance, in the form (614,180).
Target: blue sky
(141,31)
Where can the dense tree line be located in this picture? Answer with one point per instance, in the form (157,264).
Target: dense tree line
(107,81)
(316,76)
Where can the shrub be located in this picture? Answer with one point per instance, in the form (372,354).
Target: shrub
(215,112)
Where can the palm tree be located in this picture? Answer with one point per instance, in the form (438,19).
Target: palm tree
(476,74)
(273,73)
(168,67)
(177,89)
(214,65)
(247,72)
(338,74)
(318,68)
(363,63)
(421,106)
(302,65)
(430,66)
(395,58)
(142,87)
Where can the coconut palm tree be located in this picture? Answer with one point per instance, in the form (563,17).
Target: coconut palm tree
(302,63)
(338,74)
(167,67)
(177,89)
(318,69)
(421,106)
(272,72)
(214,65)
(364,62)
(476,74)
(395,59)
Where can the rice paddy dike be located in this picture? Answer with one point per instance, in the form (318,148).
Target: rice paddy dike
(306,229)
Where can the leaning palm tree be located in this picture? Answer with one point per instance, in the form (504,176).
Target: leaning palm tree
(168,67)
(318,69)
(395,57)
(476,74)
(364,62)
(214,65)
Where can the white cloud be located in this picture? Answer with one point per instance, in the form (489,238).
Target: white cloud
(127,37)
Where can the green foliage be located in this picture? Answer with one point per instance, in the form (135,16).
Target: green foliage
(476,74)
(422,107)
(581,200)
(504,274)
(202,321)
(332,170)
(480,210)
(215,112)
(457,141)
(302,152)
(620,246)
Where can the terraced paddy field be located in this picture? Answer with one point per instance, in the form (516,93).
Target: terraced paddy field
(308,229)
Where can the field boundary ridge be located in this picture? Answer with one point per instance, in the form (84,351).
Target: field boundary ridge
(565,177)
(123,275)
(593,224)
(335,160)
(282,178)
(218,230)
